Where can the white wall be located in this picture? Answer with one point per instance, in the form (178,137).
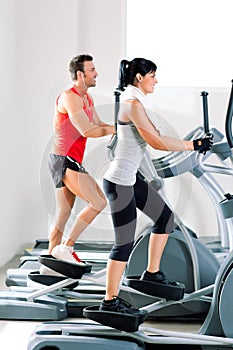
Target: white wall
(37,40)
(189,40)
(8,132)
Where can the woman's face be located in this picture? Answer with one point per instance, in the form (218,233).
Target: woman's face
(147,82)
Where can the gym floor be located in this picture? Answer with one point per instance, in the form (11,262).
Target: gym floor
(15,334)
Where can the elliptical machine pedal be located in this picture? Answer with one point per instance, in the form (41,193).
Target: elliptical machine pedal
(49,280)
(170,292)
(124,322)
(71,270)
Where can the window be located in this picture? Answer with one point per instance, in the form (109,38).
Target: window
(189,40)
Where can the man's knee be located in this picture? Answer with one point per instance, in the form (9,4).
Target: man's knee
(99,204)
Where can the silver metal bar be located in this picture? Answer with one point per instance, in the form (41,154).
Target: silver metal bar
(198,294)
(52,288)
(188,336)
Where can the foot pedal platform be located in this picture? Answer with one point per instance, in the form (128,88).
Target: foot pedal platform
(123,322)
(49,280)
(71,270)
(169,292)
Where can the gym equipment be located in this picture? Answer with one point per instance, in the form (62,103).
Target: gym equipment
(215,333)
(19,276)
(39,304)
(95,253)
(185,253)
(186,260)
(171,165)
(186,257)
(183,257)
(85,294)
(178,163)
(177,263)
(198,264)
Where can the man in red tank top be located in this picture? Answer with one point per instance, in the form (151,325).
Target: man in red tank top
(75,121)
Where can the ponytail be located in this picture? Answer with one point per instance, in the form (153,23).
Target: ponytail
(123,75)
(129,69)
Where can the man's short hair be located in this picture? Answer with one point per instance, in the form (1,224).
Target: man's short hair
(77,64)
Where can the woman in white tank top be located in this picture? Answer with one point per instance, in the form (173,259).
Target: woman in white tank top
(126,190)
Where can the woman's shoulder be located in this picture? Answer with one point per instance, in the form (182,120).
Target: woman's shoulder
(133,102)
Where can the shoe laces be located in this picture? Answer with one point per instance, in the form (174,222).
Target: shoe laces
(161,275)
(123,303)
(75,256)
(163,278)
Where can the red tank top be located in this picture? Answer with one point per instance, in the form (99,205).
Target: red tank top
(67,139)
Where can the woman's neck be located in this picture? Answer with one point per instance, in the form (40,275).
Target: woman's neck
(139,88)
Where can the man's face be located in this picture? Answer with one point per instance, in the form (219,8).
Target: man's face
(90,74)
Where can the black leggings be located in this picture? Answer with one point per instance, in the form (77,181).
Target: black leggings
(123,201)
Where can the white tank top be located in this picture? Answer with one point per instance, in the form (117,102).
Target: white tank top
(129,152)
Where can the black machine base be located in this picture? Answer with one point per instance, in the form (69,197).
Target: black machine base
(120,321)
(169,292)
(49,280)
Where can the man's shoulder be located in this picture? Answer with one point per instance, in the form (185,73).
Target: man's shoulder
(68,93)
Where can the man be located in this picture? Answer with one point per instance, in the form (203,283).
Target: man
(75,121)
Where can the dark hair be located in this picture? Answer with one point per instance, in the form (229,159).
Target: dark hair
(76,64)
(129,69)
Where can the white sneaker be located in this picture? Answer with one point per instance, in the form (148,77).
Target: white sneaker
(66,253)
(44,270)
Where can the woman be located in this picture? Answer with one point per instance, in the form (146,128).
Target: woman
(126,190)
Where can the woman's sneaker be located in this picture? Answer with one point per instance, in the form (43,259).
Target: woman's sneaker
(63,252)
(157,277)
(119,305)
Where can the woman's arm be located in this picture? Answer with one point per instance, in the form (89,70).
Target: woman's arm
(133,111)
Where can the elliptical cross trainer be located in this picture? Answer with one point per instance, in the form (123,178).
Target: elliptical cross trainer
(216,331)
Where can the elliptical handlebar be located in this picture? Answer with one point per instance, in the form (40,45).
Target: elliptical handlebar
(228,124)
(200,157)
(229,136)
(204,95)
(112,143)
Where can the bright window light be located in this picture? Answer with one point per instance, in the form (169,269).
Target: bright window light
(189,40)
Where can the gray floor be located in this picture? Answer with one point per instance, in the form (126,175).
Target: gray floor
(15,334)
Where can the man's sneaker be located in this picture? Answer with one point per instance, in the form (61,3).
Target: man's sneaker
(44,270)
(119,305)
(66,253)
(157,277)
(44,252)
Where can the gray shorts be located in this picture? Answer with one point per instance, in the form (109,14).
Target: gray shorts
(59,164)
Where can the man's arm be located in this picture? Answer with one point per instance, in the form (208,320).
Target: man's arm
(73,104)
(96,119)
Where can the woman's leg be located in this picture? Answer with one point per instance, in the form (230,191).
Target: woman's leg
(64,204)
(114,273)
(156,247)
(85,187)
(123,211)
(150,203)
